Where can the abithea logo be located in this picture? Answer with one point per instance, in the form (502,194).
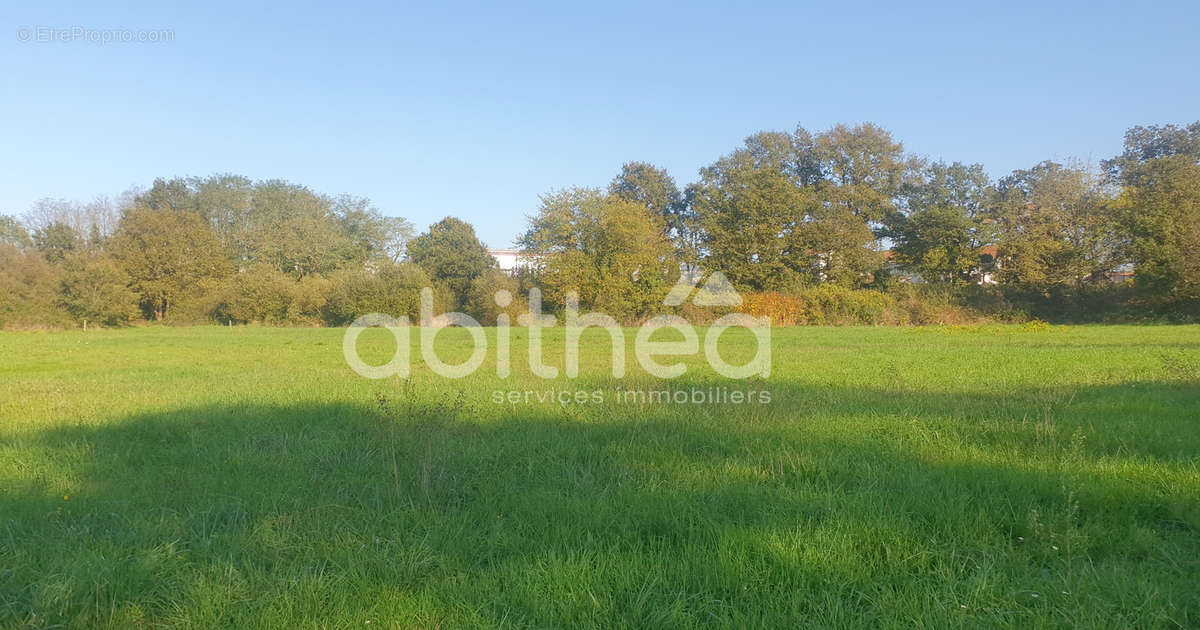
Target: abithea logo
(715,292)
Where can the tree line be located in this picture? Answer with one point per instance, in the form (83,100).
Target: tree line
(806,224)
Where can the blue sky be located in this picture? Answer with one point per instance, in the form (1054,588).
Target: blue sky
(474,110)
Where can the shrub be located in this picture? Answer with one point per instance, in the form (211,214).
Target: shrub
(203,303)
(824,304)
(481,298)
(926,304)
(258,294)
(783,310)
(1036,325)
(262,294)
(308,300)
(834,304)
(394,290)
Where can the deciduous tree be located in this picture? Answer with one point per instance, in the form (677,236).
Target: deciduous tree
(654,189)
(452,255)
(1160,208)
(614,252)
(1054,227)
(167,254)
(56,241)
(752,218)
(939,230)
(94,289)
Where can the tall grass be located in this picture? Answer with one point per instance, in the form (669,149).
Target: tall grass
(941,476)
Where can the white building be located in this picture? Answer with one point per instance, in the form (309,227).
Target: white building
(510,260)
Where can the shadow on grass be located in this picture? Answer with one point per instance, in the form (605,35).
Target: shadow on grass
(833,507)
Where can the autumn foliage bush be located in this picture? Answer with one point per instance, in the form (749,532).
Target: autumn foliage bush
(783,310)
(825,304)
(898,306)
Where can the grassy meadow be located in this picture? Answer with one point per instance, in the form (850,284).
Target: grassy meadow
(208,477)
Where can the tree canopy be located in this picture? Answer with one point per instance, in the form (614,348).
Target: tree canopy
(613,251)
(167,254)
(452,255)
(786,212)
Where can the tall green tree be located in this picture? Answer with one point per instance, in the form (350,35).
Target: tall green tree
(167,254)
(751,207)
(94,289)
(169,194)
(865,170)
(938,243)
(1055,228)
(1159,207)
(939,185)
(452,255)
(612,251)
(752,218)
(864,173)
(801,207)
(375,237)
(1145,144)
(939,231)
(296,231)
(56,241)
(284,225)
(654,189)
(225,202)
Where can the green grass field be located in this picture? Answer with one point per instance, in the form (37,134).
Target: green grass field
(213,477)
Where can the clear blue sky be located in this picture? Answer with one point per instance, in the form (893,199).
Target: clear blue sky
(474,110)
